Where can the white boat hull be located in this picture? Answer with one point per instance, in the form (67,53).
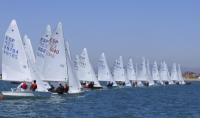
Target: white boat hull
(25,94)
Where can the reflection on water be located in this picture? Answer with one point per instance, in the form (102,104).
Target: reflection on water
(153,102)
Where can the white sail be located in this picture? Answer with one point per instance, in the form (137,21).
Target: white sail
(119,72)
(164,72)
(14,60)
(181,80)
(55,66)
(86,72)
(35,75)
(136,70)
(142,75)
(104,73)
(74,83)
(131,74)
(76,66)
(42,49)
(149,76)
(155,72)
(174,74)
(29,49)
(168,75)
(68,49)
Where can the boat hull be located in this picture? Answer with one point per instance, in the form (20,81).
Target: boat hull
(24,94)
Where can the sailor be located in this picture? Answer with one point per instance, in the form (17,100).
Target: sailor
(91,85)
(60,89)
(33,86)
(110,84)
(23,85)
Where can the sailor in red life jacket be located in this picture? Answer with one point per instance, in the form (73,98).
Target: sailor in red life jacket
(33,86)
(23,85)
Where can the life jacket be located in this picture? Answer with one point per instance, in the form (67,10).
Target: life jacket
(60,90)
(33,86)
(24,85)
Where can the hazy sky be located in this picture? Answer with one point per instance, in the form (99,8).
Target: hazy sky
(156,29)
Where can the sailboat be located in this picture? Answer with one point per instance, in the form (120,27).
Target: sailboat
(164,74)
(74,83)
(174,74)
(58,67)
(86,72)
(142,79)
(149,76)
(31,61)
(180,77)
(130,72)
(155,74)
(168,74)
(119,74)
(104,74)
(16,66)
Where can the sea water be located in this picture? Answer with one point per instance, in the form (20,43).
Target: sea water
(173,101)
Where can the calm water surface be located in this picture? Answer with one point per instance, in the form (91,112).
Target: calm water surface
(153,102)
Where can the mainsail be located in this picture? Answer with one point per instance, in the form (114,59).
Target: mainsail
(119,72)
(142,75)
(104,73)
(76,66)
(164,74)
(29,49)
(174,74)
(155,72)
(181,80)
(74,83)
(55,66)
(86,72)
(14,59)
(42,49)
(131,74)
(149,76)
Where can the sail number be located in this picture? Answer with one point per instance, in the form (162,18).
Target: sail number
(43,47)
(53,50)
(9,49)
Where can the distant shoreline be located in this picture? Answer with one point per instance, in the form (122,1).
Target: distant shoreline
(192,79)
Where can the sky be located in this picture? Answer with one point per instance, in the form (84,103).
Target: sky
(156,29)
